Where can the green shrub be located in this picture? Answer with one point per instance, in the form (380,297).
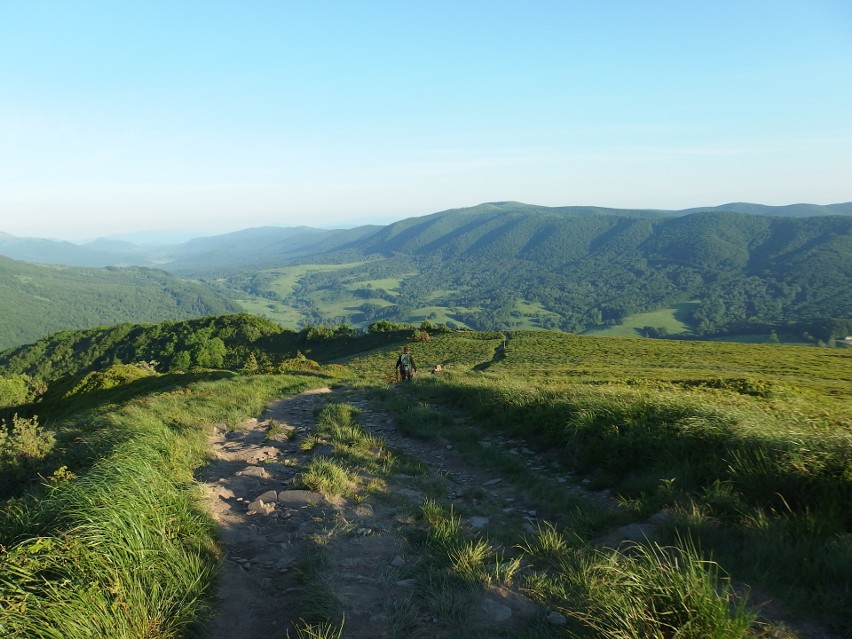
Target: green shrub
(384,326)
(23,446)
(115,375)
(13,391)
(297,363)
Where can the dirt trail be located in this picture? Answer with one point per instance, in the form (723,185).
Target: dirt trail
(291,554)
(268,528)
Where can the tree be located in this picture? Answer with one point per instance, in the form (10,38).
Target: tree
(211,354)
(250,365)
(13,390)
(181,362)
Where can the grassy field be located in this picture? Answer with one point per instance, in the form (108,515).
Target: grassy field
(339,303)
(748,447)
(553,355)
(439,314)
(283,314)
(673,319)
(744,450)
(287,278)
(389,284)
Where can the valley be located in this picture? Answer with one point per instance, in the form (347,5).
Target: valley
(731,272)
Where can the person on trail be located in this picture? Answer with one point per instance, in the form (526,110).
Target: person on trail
(405,367)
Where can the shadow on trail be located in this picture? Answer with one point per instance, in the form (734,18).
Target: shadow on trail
(499,355)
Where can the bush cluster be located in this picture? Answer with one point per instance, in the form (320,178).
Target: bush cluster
(23,446)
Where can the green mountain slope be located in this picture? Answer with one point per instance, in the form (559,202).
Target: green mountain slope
(37,299)
(272,246)
(789,210)
(511,265)
(255,248)
(101,253)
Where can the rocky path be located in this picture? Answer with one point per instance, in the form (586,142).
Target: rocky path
(260,520)
(289,552)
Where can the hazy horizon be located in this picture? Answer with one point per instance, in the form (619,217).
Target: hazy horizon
(208,118)
(164,236)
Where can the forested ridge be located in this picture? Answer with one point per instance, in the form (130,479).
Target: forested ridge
(595,269)
(40,299)
(501,265)
(206,342)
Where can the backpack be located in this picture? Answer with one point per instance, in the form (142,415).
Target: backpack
(405,363)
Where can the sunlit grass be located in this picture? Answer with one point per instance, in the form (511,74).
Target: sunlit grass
(121,545)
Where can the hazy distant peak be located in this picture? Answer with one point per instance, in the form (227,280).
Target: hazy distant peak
(162,237)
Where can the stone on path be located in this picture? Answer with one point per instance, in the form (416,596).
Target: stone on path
(260,507)
(253,471)
(297,498)
(494,611)
(556,619)
(270,497)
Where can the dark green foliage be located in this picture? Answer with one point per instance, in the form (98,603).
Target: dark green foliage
(23,446)
(37,300)
(384,326)
(208,342)
(324,333)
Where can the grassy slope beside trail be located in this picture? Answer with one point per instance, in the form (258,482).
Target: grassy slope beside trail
(117,544)
(748,447)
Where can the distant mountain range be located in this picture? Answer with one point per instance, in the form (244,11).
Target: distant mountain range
(496,265)
(271,244)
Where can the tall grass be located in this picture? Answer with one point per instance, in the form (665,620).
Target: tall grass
(771,457)
(648,593)
(354,447)
(125,549)
(640,592)
(129,554)
(327,477)
(741,458)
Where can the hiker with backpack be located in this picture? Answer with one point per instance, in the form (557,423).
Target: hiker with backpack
(405,367)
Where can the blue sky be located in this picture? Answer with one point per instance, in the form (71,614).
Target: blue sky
(213,116)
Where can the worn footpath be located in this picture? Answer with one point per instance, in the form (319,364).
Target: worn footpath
(268,527)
